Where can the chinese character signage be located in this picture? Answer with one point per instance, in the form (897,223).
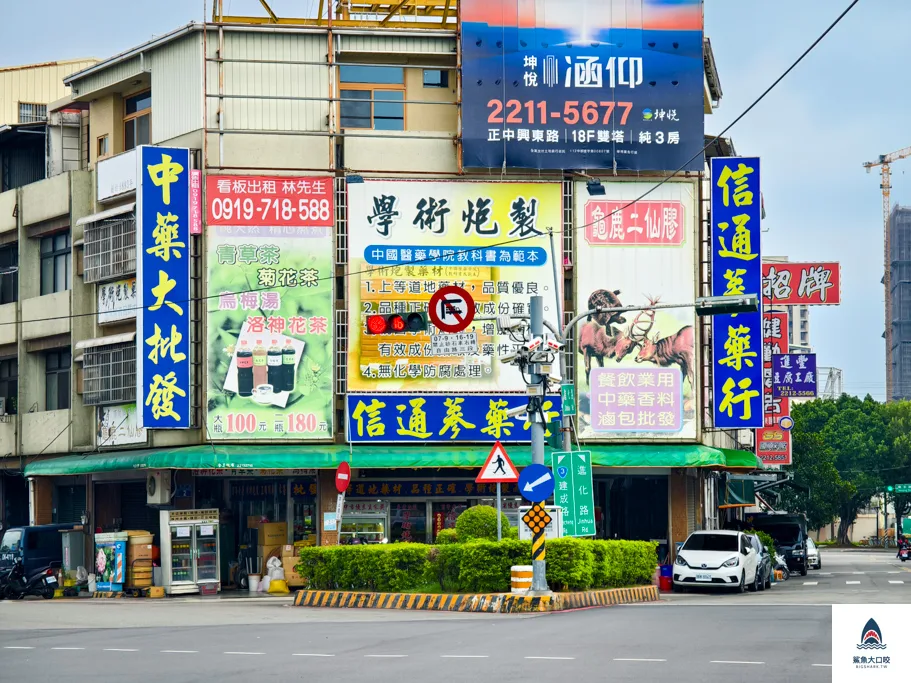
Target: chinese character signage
(270,269)
(736,271)
(773,444)
(794,375)
(407,239)
(117,426)
(582,84)
(117,301)
(163,284)
(642,254)
(429,418)
(793,284)
(574,491)
(423,487)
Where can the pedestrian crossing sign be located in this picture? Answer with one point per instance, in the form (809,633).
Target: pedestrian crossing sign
(498,469)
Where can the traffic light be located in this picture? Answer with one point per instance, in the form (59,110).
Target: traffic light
(397,323)
(890,488)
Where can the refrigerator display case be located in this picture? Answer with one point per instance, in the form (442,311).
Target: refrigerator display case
(190,551)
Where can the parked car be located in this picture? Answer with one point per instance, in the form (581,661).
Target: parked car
(36,546)
(813,560)
(789,533)
(765,562)
(717,559)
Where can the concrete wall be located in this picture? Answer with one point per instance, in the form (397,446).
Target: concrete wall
(83,299)
(46,431)
(430,117)
(46,199)
(8,438)
(56,306)
(106,118)
(7,210)
(399,152)
(8,332)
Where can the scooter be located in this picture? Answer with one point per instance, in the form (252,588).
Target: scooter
(782,565)
(43,582)
(904,553)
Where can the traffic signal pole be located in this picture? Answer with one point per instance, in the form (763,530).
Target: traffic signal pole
(539,568)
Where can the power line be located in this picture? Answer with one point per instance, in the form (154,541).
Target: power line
(469,250)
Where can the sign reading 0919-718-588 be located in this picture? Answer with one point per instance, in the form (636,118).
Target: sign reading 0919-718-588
(163,284)
(612,84)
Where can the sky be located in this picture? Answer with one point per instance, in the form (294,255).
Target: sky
(842,106)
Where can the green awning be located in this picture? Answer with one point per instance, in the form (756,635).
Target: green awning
(328,456)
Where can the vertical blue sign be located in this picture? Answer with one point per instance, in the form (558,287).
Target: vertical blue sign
(163,284)
(737,270)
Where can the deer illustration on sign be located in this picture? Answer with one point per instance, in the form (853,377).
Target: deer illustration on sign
(676,349)
(638,331)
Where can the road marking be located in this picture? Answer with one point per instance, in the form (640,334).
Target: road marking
(550,658)
(67,648)
(896,582)
(829,665)
(811,583)
(858,572)
(120,649)
(15,647)
(180,652)
(464,656)
(244,653)
(387,656)
(310,654)
(721,661)
(625,659)
(851,583)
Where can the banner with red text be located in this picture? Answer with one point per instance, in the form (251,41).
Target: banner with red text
(773,444)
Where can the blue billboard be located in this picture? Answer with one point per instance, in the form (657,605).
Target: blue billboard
(441,418)
(736,270)
(582,84)
(163,286)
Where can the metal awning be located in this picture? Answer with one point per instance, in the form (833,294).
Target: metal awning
(105,341)
(110,213)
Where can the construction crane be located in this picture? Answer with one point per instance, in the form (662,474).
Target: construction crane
(885,162)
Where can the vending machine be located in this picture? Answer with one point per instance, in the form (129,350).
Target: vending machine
(189,551)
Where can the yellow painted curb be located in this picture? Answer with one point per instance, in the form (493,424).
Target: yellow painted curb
(503,603)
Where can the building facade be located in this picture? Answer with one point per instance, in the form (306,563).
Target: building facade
(900,269)
(330,164)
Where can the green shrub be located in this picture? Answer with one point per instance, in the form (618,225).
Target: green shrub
(485,565)
(766,541)
(398,567)
(445,536)
(511,533)
(569,564)
(638,561)
(479,522)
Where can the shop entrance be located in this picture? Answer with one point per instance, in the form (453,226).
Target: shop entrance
(631,508)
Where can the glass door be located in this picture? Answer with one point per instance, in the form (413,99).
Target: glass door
(206,552)
(182,554)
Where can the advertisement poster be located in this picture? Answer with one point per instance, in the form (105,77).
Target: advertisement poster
(736,271)
(773,444)
(118,426)
(110,560)
(409,238)
(794,375)
(644,254)
(615,84)
(117,301)
(793,284)
(163,282)
(270,316)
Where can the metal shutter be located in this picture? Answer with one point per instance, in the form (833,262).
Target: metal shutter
(70,504)
(135,513)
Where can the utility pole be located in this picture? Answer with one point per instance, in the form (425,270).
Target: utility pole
(536,415)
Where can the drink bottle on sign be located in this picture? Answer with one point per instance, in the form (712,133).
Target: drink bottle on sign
(276,371)
(260,372)
(244,370)
(288,366)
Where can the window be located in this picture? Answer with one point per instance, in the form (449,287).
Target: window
(9,273)
(110,248)
(110,374)
(55,263)
(436,78)
(57,380)
(137,120)
(103,149)
(12,541)
(372,97)
(32,113)
(9,385)
(714,542)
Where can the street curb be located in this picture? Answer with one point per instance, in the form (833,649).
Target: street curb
(501,603)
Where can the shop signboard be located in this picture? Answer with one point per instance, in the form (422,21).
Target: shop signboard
(794,375)
(408,239)
(636,371)
(270,316)
(216,472)
(736,271)
(773,442)
(116,175)
(163,284)
(421,488)
(441,418)
(118,426)
(582,84)
(574,491)
(795,284)
(117,301)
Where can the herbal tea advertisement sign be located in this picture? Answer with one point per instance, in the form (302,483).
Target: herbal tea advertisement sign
(269,307)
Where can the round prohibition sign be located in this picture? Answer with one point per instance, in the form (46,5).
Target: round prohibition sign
(451,309)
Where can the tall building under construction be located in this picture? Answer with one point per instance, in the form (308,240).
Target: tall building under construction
(900,274)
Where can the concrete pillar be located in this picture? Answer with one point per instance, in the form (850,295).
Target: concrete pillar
(326,496)
(677,508)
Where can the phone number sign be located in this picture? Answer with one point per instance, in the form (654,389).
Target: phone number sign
(269,201)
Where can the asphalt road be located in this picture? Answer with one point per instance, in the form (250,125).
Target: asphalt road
(783,635)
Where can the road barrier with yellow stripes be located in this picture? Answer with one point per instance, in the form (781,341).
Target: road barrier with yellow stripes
(484,602)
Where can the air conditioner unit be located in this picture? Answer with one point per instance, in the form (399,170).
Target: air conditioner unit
(158,487)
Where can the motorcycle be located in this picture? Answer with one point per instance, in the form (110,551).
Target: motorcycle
(904,553)
(782,566)
(42,582)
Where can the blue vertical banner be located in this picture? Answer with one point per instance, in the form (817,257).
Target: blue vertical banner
(163,285)
(737,270)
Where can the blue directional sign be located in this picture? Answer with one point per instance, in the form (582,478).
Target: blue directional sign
(536,483)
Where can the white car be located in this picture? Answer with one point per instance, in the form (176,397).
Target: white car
(717,559)
(813,561)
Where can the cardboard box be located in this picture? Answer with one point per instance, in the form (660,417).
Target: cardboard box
(290,551)
(139,552)
(254,521)
(292,578)
(273,533)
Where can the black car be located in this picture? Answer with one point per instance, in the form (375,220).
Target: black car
(764,565)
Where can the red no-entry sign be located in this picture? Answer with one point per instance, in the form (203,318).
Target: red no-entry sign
(451,309)
(342,477)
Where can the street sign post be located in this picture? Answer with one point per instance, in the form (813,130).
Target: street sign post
(458,344)
(537,520)
(342,479)
(451,309)
(536,483)
(575,492)
(903,488)
(568,396)
(498,469)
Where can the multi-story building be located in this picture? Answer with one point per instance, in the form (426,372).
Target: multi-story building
(900,270)
(332,165)
(27,90)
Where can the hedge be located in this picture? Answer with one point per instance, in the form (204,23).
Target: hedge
(480,522)
(478,566)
